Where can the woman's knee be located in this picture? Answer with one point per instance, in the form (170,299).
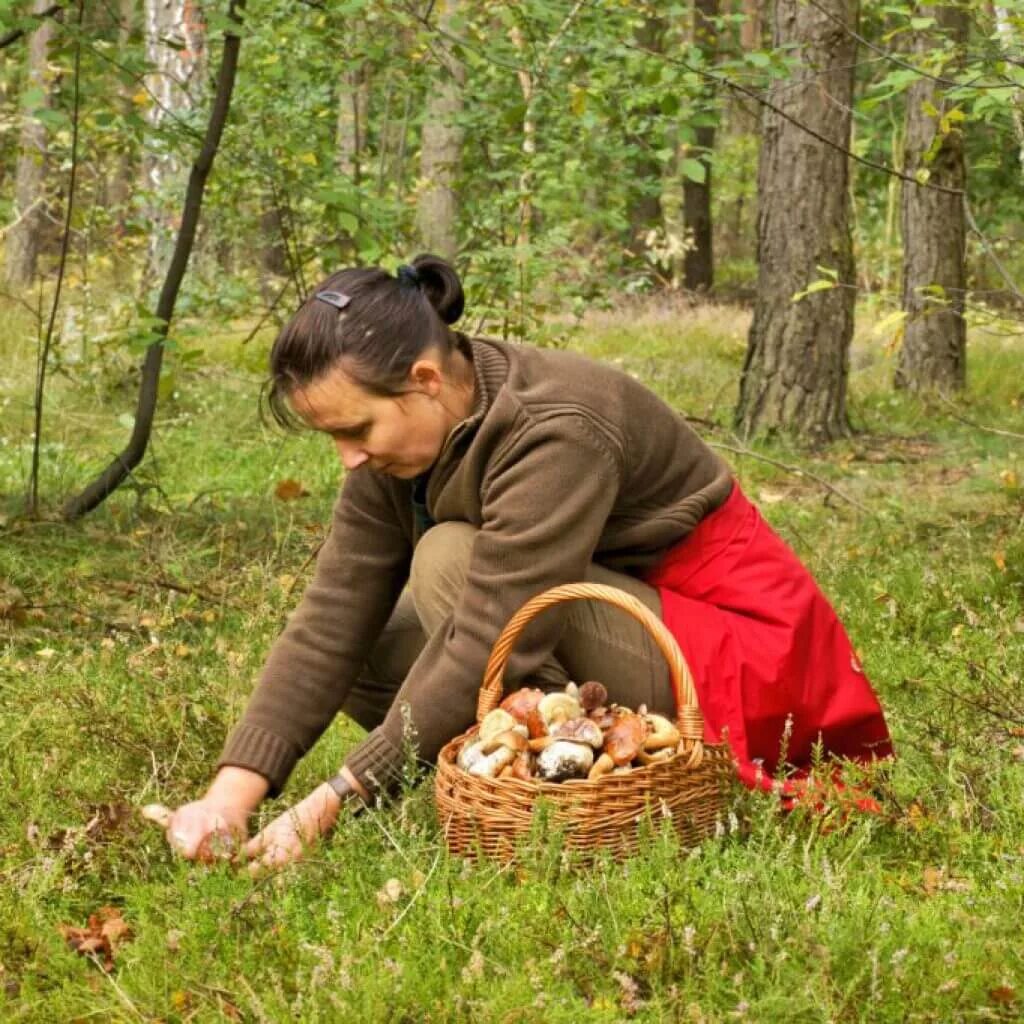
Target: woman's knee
(440,565)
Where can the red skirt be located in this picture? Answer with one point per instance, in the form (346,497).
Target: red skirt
(774,669)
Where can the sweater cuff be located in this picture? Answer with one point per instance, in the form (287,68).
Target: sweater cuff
(260,751)
(376,763)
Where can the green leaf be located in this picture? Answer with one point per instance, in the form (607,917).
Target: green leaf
(694,170)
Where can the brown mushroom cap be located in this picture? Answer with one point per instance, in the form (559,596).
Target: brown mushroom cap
(624,740)
(580,730)
(593,695)
(521,703)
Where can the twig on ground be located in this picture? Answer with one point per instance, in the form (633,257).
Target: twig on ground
(796,471)
(977,426)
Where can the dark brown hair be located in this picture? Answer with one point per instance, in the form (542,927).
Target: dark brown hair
(386,325)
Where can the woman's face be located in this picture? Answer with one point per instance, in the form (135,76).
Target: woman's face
(400,436)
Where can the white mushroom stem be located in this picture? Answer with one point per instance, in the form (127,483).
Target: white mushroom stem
(490,765)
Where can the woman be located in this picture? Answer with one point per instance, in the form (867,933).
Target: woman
(477,475)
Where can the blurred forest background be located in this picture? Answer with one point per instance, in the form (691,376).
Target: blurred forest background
(806,159)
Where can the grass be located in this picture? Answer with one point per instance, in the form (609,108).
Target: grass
(131,640)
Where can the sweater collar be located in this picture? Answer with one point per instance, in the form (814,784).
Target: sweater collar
(490,368)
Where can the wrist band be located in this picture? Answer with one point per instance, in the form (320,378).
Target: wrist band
(347,793)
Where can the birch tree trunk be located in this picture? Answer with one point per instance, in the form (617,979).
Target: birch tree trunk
(1012,45)
(441,149)
(175,49)
(698,261)
(24,238)
(125,169)
(933,355)
(794,376)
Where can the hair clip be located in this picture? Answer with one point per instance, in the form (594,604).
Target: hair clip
(339,300)
(409,275)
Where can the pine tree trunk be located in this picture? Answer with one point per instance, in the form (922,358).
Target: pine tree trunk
(437,208)
(794,376)
(698,262)
(24,238)
(933,355)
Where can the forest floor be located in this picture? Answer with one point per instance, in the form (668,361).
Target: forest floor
(130,641)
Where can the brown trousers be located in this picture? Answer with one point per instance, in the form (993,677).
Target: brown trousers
(599,641)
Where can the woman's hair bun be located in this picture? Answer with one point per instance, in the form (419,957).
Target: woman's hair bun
(441,285)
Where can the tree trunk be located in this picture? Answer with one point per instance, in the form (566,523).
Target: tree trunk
(353,107)
(437,208)
(175,50)
(1011,38)
(118,470)
(645,212)
(698,263)
(125,170)
(933,355)
(794,376)
(29,226)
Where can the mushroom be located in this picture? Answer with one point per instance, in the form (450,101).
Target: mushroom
(593,695)
(603,717)
(565,759)
(622,742)
(521,703)
(496,722)
(522,767)
(658,755)
(663,733)
(559,707)
(511,738)
(580,730)
(535,724)
(469,755)
(489,765)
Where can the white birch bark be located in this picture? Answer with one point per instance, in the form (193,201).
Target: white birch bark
(175,49)
(24,236)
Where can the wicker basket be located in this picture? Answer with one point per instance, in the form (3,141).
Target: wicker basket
(490,816)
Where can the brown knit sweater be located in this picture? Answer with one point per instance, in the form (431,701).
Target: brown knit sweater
(563,461)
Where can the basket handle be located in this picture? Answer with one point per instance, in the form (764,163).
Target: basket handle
(689,717)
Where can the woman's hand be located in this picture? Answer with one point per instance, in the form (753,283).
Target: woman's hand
(215,826)
(207,831)
(288,836)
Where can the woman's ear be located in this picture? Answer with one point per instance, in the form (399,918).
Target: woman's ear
(426,377)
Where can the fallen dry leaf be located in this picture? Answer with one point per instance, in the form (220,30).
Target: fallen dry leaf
(290,490)
(105,932)
(1003,995)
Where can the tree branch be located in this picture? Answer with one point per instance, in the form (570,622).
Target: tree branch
(750,94)
(44,355)
(53,11)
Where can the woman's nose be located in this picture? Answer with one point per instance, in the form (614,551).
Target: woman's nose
(351,455)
